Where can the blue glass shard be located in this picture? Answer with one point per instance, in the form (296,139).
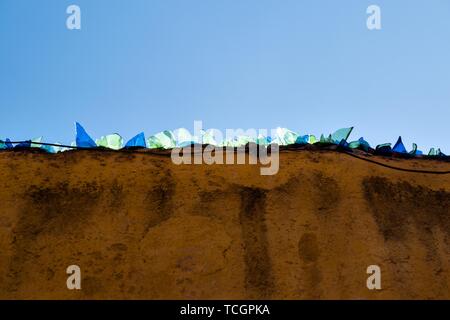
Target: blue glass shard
(363,144)
(343,144)
(8,144)
(83,140)
(24,144)
(302,139)
(383,148)
(137,141)
(399,147)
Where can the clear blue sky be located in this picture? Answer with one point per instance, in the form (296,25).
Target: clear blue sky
(149,65)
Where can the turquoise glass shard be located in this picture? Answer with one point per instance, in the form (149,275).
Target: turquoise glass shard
(164,140)
(263,140)
(354,145)
(415,151)
(137,141)
(436,152)
(341,134)
(111,141)
(399,147)
(6,144)
(49,149)
(308,138)
(35,142)
(83,140)
(359,144)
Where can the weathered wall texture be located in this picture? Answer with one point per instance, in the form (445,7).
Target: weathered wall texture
(141,227)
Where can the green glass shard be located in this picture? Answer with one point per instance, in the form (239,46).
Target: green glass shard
(312,139)
(164,140)
(326,140)
(284,136)
(322,138)
(111,141)
(153,143)
(167,139)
